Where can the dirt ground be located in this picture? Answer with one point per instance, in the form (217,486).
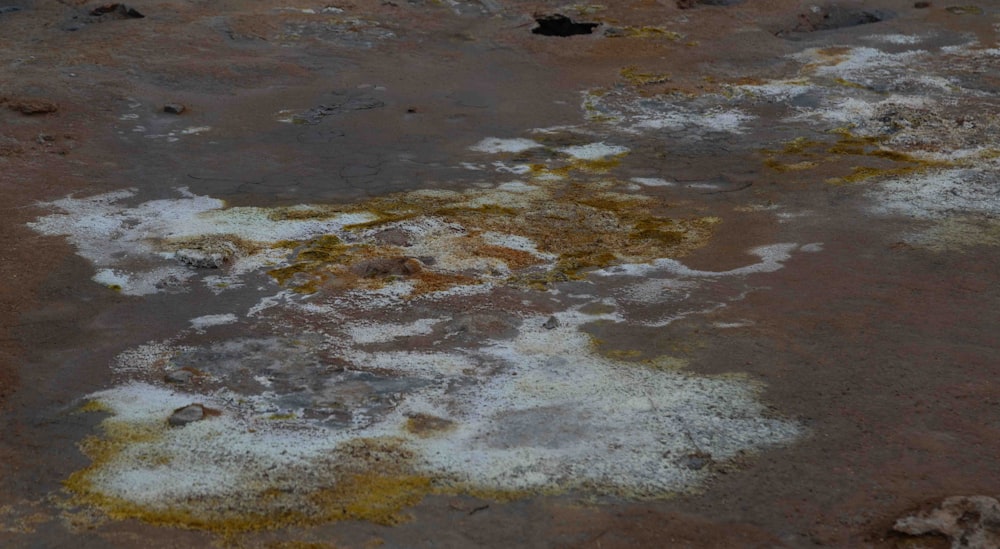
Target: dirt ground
(881,345)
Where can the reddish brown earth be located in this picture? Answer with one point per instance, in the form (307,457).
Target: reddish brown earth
(887,353)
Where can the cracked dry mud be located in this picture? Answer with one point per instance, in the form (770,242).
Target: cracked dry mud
(420,274)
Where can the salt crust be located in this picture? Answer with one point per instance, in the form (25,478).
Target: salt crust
(559,417)
(110,234)
(496,145)
(202,322)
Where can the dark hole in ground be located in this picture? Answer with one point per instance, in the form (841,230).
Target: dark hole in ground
(560,25)
(832,18)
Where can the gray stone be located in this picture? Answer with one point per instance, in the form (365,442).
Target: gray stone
(551,324)
(173,108)
(187,414)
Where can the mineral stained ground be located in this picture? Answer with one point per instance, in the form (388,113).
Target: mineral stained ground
(456,273)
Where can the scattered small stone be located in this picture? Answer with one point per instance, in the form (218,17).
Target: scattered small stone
(551,324)
(560,25)
(173,108)
(178,377)
(970,522)
(187,414)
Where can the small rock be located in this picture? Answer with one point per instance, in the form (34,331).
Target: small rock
(921,5)
(201,259)
(551,324)
(8,9)
(387,266)
(117,11)
(178,376)
(30,106)
(187,414)
(44,138)
(393,237)
(560,25)
(971,522)
(173,108)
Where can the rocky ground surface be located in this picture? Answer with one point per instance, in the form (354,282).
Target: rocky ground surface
(499,273)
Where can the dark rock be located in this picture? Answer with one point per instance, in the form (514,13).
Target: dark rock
(921,5)
(551,324)
(116,11)
(560,25)
(173,108)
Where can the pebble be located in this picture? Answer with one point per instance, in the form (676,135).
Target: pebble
(551,324)
(173,108)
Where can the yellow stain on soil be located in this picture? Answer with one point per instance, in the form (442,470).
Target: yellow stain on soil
(879,161)
(372,481)
(582,225)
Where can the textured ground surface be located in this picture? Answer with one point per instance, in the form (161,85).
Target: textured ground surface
(407,274)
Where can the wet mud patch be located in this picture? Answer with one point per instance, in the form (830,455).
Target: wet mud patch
(831,17)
